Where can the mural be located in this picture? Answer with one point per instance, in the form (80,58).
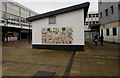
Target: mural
(59,35)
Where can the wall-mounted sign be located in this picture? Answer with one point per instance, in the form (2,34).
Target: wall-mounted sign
(58,35)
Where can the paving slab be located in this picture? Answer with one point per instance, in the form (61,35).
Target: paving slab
(95,61)
(25,61)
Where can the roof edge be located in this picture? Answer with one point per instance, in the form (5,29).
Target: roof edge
(61,11)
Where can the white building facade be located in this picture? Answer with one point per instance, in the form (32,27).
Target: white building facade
(92,18)
(60,29)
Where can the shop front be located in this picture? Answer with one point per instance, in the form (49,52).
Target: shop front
(10,34)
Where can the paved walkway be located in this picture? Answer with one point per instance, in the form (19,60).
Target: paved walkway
(25,61)
(20,60)
(15,43)
(96,60)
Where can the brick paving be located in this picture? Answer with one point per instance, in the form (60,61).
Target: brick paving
(94,61)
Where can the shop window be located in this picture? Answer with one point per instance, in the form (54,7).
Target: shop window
(107,32)
(114,31)
(52,20)
(106,12)
(112,10)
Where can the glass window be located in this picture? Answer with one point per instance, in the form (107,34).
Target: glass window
(86,23)
(3,15)
(90,23)
(13,6)
(106,12)
(93,15)
(24,20)
(52,20)
(107,32)
(96,15)
(24,11)
(97,22)
(8,16)
(101,15)
(112,10)
(17,18)
(12,17)
(89,15)
(93,22)
(32,14)
(100,1)
(21,19)
(114,31)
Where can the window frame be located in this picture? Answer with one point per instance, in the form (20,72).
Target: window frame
(101,15)
(52,20)
(107,32)
(106,12)
(86,23)
(94,15)
(114,33)
(90,15)
(112,9)
(97,15)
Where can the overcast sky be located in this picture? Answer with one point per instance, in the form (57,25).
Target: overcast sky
(42,6)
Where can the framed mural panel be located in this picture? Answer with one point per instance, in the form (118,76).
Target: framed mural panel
(57,35)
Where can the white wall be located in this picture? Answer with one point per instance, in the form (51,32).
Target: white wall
(112,38)
(74,19)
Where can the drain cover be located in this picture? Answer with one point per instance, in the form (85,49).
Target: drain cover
(44,74)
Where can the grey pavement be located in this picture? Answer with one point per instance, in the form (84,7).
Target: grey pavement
(97,60)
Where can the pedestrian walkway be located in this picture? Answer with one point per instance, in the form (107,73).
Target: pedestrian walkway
(25,61)
(15,43)
(97,60)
